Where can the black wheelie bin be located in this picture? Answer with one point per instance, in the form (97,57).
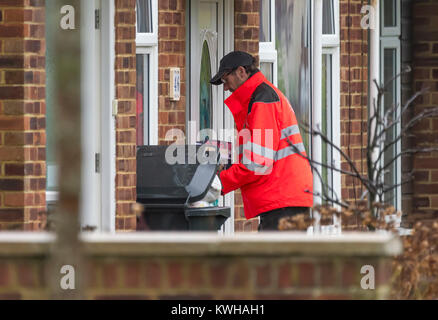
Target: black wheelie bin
(167,190)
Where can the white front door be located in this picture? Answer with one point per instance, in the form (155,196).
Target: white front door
(91,115)
(211,37)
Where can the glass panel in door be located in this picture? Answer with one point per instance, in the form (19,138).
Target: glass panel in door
(205,96)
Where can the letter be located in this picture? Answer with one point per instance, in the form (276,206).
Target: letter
(245,310)
(243,135)
(207,133)
(183,310)
(369,19)
(177,146)
(174,310)
(237,307)
(207,154)
(219,308)
(192,132)
(254,309)
(228,309)
(68,281)
(367,281)
(68,21)
(201,310)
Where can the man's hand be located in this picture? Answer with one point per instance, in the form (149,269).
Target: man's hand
(219,170)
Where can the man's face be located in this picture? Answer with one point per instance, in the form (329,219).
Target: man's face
(235,79)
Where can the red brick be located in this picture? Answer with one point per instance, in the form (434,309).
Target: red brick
(4,275)
(263,276)
(14,169)
(218,275)
(349,274)
(153,275)
(240,277)
(11,184)
(327,274)
(174,274)
(306,274)
(285,276)
(132,275)
(12,31)
(26,275)
(109,275)
(196,276)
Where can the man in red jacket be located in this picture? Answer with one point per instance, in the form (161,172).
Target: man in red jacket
(275,180)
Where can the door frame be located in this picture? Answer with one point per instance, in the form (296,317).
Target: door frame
(224,116)
(91,111)
(108,124)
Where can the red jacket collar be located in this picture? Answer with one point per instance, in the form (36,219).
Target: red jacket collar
(239,100)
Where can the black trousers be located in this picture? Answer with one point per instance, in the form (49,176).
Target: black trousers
(269,220)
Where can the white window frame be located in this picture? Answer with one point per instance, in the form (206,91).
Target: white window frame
(267,50)
(389,39)
(333,40)
(331,46)
(148,39)
(390,31)
(147,43)
(336,114)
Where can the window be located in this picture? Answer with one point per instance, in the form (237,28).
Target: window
(205,90)
(142,98)
(390,67)
(292,44)
(326,116)
(147,72)
(330,96)
(328,17)
(265,20)
(267,51)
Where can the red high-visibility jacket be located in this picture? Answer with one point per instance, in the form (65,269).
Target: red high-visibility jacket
(270,173)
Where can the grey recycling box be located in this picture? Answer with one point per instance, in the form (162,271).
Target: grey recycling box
(166,190)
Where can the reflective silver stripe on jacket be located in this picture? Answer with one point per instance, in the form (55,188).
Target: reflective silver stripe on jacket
(286,132)
(254,167)
(283,153)
(258,149)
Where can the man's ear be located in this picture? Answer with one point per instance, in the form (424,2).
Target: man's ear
(241,71)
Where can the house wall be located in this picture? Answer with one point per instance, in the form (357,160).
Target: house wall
(125,78)
(22,115)
(354,93)
(406,93)
(425,75)
(172,53)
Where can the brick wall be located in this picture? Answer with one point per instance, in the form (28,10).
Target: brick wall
(246,38)
(425,75)
(406,93)
(172,53)
(354,93)
(126,119)
(202,268)
(22,114)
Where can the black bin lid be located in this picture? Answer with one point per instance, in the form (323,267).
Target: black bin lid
(187,180)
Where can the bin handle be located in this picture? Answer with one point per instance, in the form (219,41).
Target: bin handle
(187,200)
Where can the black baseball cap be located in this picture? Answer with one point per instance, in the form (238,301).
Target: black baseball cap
(232,61)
